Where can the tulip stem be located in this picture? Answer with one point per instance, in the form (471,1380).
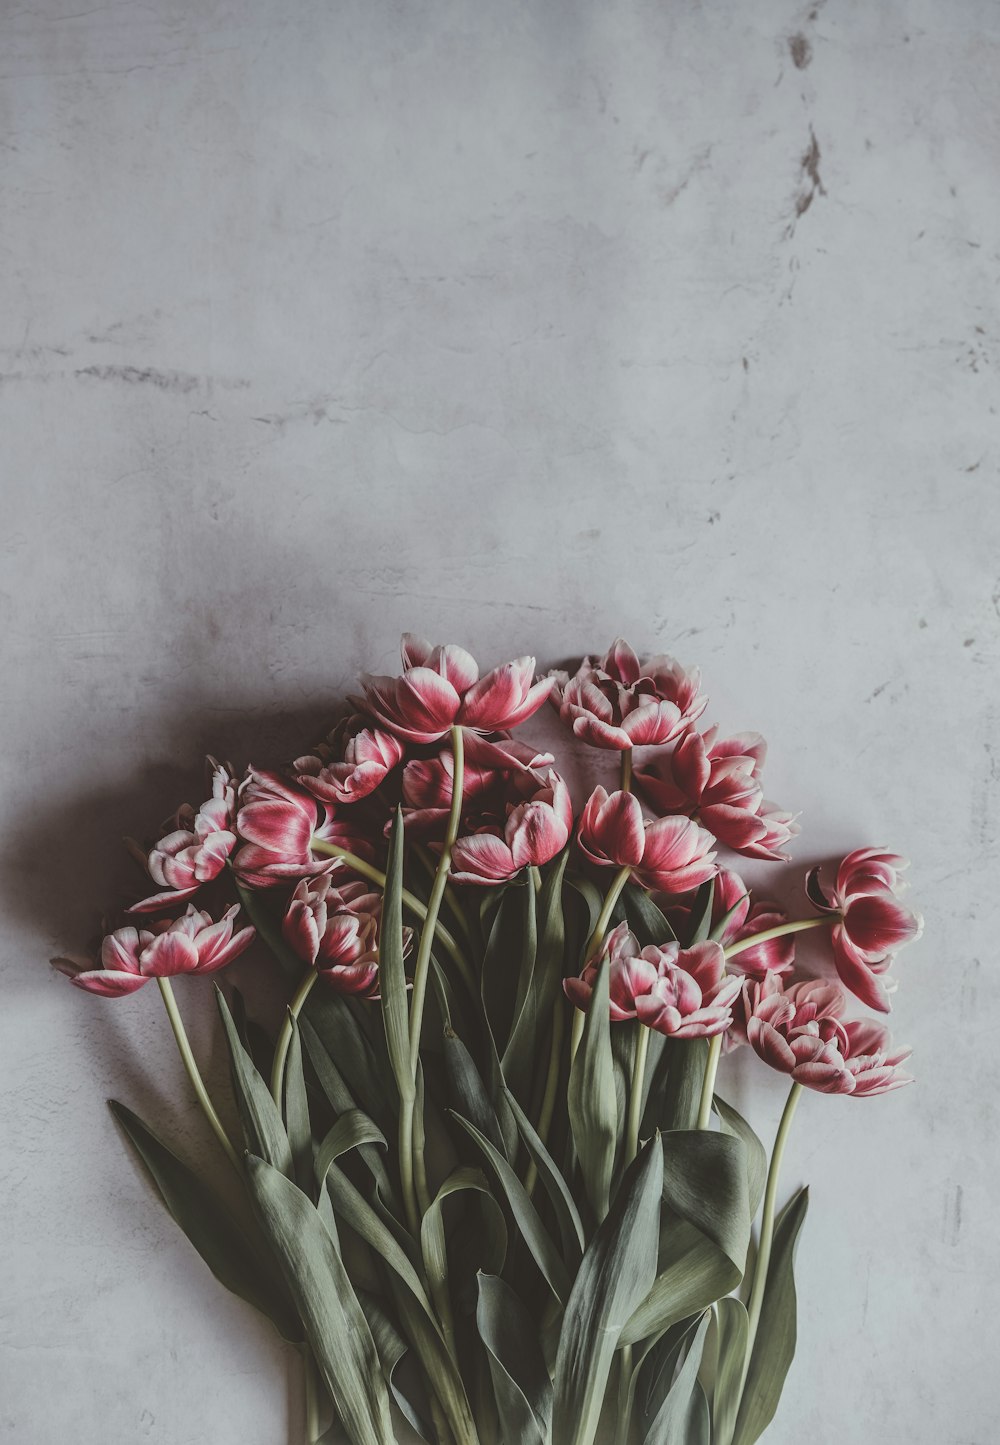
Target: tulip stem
(303,991)
(779,931)
(410,901)
(193,1072)
(635,1097)
(626,778)
(312,1397)
(708,1083)
(551,1083)
(421,968)
(594,941)
(767,1227)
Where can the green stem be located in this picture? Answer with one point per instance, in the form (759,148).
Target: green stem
(799,926)
(767,1227)
(626,779)
(426,857)
(708,1083)
(421,969)
(551,1084)
(410,901)
(193,1072)
(312,1397)
(635,1097)
(285,1037)
(593,943)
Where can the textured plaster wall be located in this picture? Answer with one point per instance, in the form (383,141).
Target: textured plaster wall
(524,325)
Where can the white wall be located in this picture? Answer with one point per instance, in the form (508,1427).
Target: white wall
(522,325)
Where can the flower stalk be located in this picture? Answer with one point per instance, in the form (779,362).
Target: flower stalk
(193,1072)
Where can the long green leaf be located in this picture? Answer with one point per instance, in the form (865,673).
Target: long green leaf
(297,1121)
(433,1240)
(338,1023)
(467,1091)
(563,1203)
(774,1346)
(683,1415)
(521,1382)
(645,920)
(351,1131)
(526,1216)
(208,1224)
(342,1101)
(733,1327)
(394,1354)
(704,1232)
(521,1056)
(381,1232)
(617,1272)
(593,1099)
(335,1323)
(262,1124)
(391,971)
(756,1155)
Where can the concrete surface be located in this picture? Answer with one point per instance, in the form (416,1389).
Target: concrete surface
(521,325)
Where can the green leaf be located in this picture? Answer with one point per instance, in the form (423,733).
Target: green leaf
(208,1224)
(351,1131)
(526,1216)
(502,959)
(733,1327)
(262,1124)
(563,1203)
(517,1366)
(544,979)
(394,1355)
(379,1230)
(433,1242)
(701,913)
(593,1100)
(683,1415)
(705,1230)
(756,1155)
(774,1346)
(342,1101)
(297,1121)
(676,1093)
(616,1274)
(467,1090)
(338,1023)
(439,1368)
(391,970)
(645,920)
(335,1323)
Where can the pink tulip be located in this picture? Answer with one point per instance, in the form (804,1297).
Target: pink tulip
(441,688)
(800,1031)
(276,823)
(354,762)
(672,855)
(744,917)
(336,930)
(489,767)
(692,995)
(717,781)
(130,957)
(632,971)
(872,925)
(196,849)
(619,703)
(535,830)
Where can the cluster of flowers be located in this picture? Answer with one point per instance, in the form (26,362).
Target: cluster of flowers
(319,828)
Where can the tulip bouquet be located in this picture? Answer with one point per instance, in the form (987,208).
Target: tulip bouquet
(486,1182)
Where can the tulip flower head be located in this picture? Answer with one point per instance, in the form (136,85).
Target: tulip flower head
(196,849)
(672,855)
(440,688)
(872,924)
(130,957)
(619,703)
(276,823)
(801,1031)
(336,930)
(351,765)
(537,826)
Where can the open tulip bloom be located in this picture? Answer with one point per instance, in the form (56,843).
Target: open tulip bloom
(494,1190)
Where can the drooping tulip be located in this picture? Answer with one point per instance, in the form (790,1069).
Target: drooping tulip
(801,1031)
(130,957)
(672,855)
(534,831)
(276,823)
(336,930)
(351,766)
(196,849)
(872,924)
